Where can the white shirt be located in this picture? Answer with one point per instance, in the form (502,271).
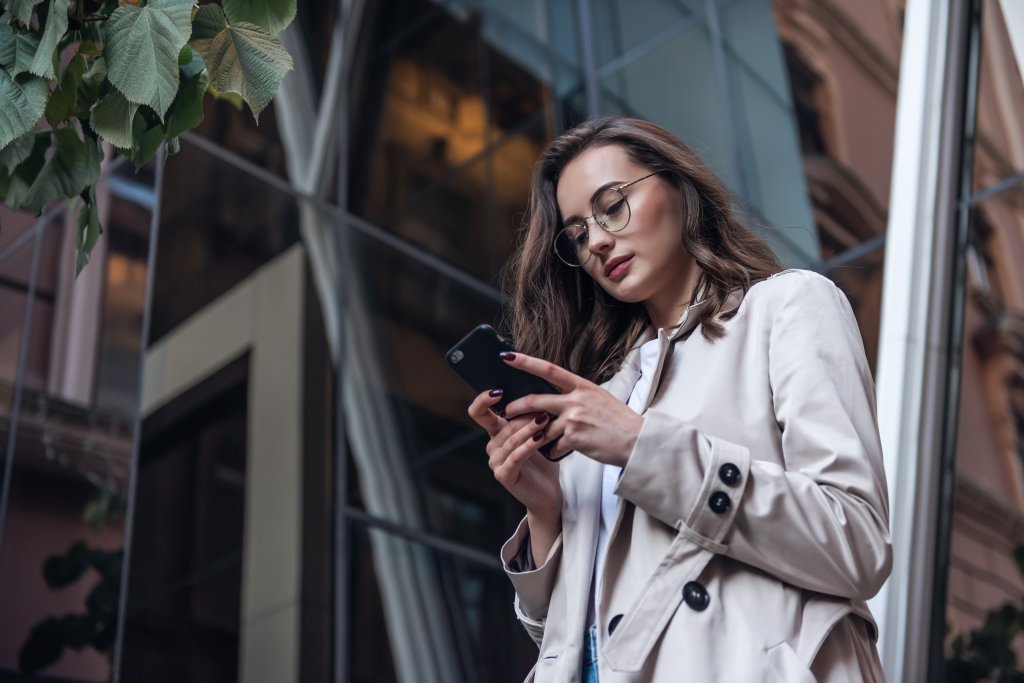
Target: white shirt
(649,353)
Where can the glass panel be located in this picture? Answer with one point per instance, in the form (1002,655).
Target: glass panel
(986,562)
(620,25)
(185,582)
(418,458)
(668,100)
(15,276)
(423,110)
(59,576)
(117,372)
(459,628)
(217,226)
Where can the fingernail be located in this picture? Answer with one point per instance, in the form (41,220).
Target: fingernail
(538,436)
(495,393)
(507,355)
(542,418)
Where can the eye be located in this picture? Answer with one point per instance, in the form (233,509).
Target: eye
(615,207)
(577,234)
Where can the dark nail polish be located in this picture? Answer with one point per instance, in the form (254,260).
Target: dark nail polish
(507,355)
(495,393)
(538,436)
(542,418)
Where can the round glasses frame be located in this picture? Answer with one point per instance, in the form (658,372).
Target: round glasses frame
(607,223)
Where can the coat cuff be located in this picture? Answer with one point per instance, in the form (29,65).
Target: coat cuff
(689,480)
(534,585)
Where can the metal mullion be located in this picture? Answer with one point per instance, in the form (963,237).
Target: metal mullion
(361,225)
(588,58)
(853,254)
(341,539)
(133,472)
(19,384)
(432,541)
(936,663)
(997,188)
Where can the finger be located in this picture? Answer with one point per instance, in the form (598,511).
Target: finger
(554,404)
(523,433)
(481,413)
(559,377)
(509,469)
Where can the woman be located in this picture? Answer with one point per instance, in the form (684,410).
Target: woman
(721,512)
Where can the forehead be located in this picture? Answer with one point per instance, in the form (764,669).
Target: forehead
(590,170)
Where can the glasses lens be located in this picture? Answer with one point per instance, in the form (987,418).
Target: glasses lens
(571,245)
(611,208)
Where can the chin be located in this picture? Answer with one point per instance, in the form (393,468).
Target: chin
(624,291)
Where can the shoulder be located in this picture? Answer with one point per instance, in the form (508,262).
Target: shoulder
(796,295)
(795,287)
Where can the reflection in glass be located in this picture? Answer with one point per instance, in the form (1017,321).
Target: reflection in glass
(185,582)
(218,226)
(418,458)
(460,628)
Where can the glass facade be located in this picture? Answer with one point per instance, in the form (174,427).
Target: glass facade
(306,497)
(982,603)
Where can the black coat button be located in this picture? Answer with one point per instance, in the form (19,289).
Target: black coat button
(696,596)
(613,623)
(729,474)
(719,502)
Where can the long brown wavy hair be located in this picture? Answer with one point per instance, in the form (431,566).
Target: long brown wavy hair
(558,313)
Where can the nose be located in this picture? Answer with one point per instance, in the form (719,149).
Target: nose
(598,239)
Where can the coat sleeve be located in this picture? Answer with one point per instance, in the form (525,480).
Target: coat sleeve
(533,585)
(820,520)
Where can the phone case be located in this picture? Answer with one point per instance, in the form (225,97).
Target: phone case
(475,359)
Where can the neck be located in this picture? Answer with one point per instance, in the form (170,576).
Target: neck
(666,309)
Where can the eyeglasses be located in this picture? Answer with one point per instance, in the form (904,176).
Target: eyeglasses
(611,212)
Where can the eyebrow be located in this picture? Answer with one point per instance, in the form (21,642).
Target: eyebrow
(575,218)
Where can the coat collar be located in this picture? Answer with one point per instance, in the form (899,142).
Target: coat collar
(622,383)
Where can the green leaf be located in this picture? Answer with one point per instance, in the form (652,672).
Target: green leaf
(147,139)
(17,152)
(112,118)
(87,231)
(173,146)
(64,98)
(23,104)
(17,49)
(22,9)
(242,58)
(15,186)
(270,15)
(74,166)
(142,50)
(56,27)
(187,111)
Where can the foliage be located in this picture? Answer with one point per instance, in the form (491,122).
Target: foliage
(97,626)
(74,73)
(986,653)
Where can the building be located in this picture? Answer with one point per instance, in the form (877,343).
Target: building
(307,499)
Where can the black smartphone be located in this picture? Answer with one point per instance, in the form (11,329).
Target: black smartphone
(476,360)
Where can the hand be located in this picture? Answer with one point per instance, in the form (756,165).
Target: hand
(512,455)
(588,419)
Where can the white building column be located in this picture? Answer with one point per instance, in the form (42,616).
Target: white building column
(914,355)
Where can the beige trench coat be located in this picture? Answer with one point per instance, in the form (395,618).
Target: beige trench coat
(753,517)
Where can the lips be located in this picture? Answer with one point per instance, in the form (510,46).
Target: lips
(610,267)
